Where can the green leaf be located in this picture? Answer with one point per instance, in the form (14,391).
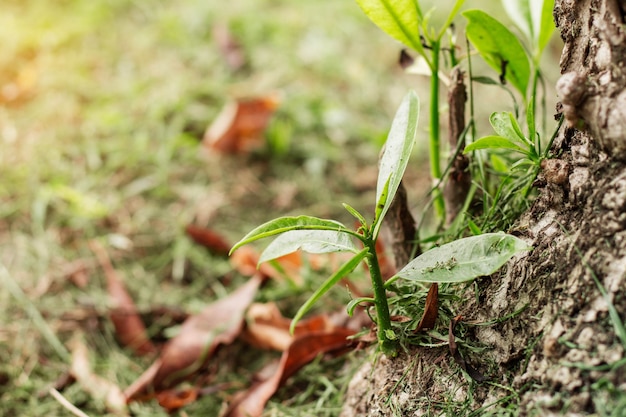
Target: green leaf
(285,224)
(499,47)
(400,19)
(505,125)
(534,18)
(356,214)
(396,155)
(546,26)
(494,142)
(312,241)
(381,203)
(464,259)
(474,227)
(453,12)
(355,302)
(530,122)
(327,285)
(499,164)
(485,80)
(519,12)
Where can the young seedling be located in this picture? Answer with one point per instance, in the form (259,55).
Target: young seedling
(455,262)
(515,154)
(404,21)
(317,235)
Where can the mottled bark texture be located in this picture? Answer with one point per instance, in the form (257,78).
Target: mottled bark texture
(402,231)
(556,345)
(459,179)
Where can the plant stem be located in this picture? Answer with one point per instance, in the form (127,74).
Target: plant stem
(435,167)
(388,346)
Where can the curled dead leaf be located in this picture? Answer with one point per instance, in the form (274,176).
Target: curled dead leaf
(302,351)
(431,309)
(240,125)
(213,241)
(172,400)
(129,328)
(245,260)
(220,323)
(267,328)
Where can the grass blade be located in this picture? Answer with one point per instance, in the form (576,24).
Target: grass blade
(327,285)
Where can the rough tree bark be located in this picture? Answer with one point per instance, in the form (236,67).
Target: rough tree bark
(556,348)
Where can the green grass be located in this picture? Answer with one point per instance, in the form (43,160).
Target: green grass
(102,105)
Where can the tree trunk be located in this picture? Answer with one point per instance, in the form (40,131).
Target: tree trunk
(557,340)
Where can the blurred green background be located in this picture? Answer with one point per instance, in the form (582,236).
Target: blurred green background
(103,104)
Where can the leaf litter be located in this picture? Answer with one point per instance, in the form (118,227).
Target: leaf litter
(186,356)
(129,328)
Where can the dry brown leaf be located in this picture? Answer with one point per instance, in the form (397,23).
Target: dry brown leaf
(129,328)
(96,386)
(302,351)
(220,323)
(400,319)
(246,259)
(213,241)
(172,400)
(431,309)
(240,125)
(267,328)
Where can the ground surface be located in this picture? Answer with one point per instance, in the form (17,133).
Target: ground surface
(102,108)
(554,341)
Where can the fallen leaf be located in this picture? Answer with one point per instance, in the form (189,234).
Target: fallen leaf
(129,328)
(230,49)
(246,261)
(302,351)
(456,355)
(400,319)
(172,400)
(213,241)
(431,309)
(96,386)
(240,125)
(267,328)
(220,323)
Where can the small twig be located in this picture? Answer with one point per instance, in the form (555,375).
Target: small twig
(404,236)
(459,179)
(65,403)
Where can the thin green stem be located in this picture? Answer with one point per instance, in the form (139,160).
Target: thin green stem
(435,167)
(533,129)
(388,345)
